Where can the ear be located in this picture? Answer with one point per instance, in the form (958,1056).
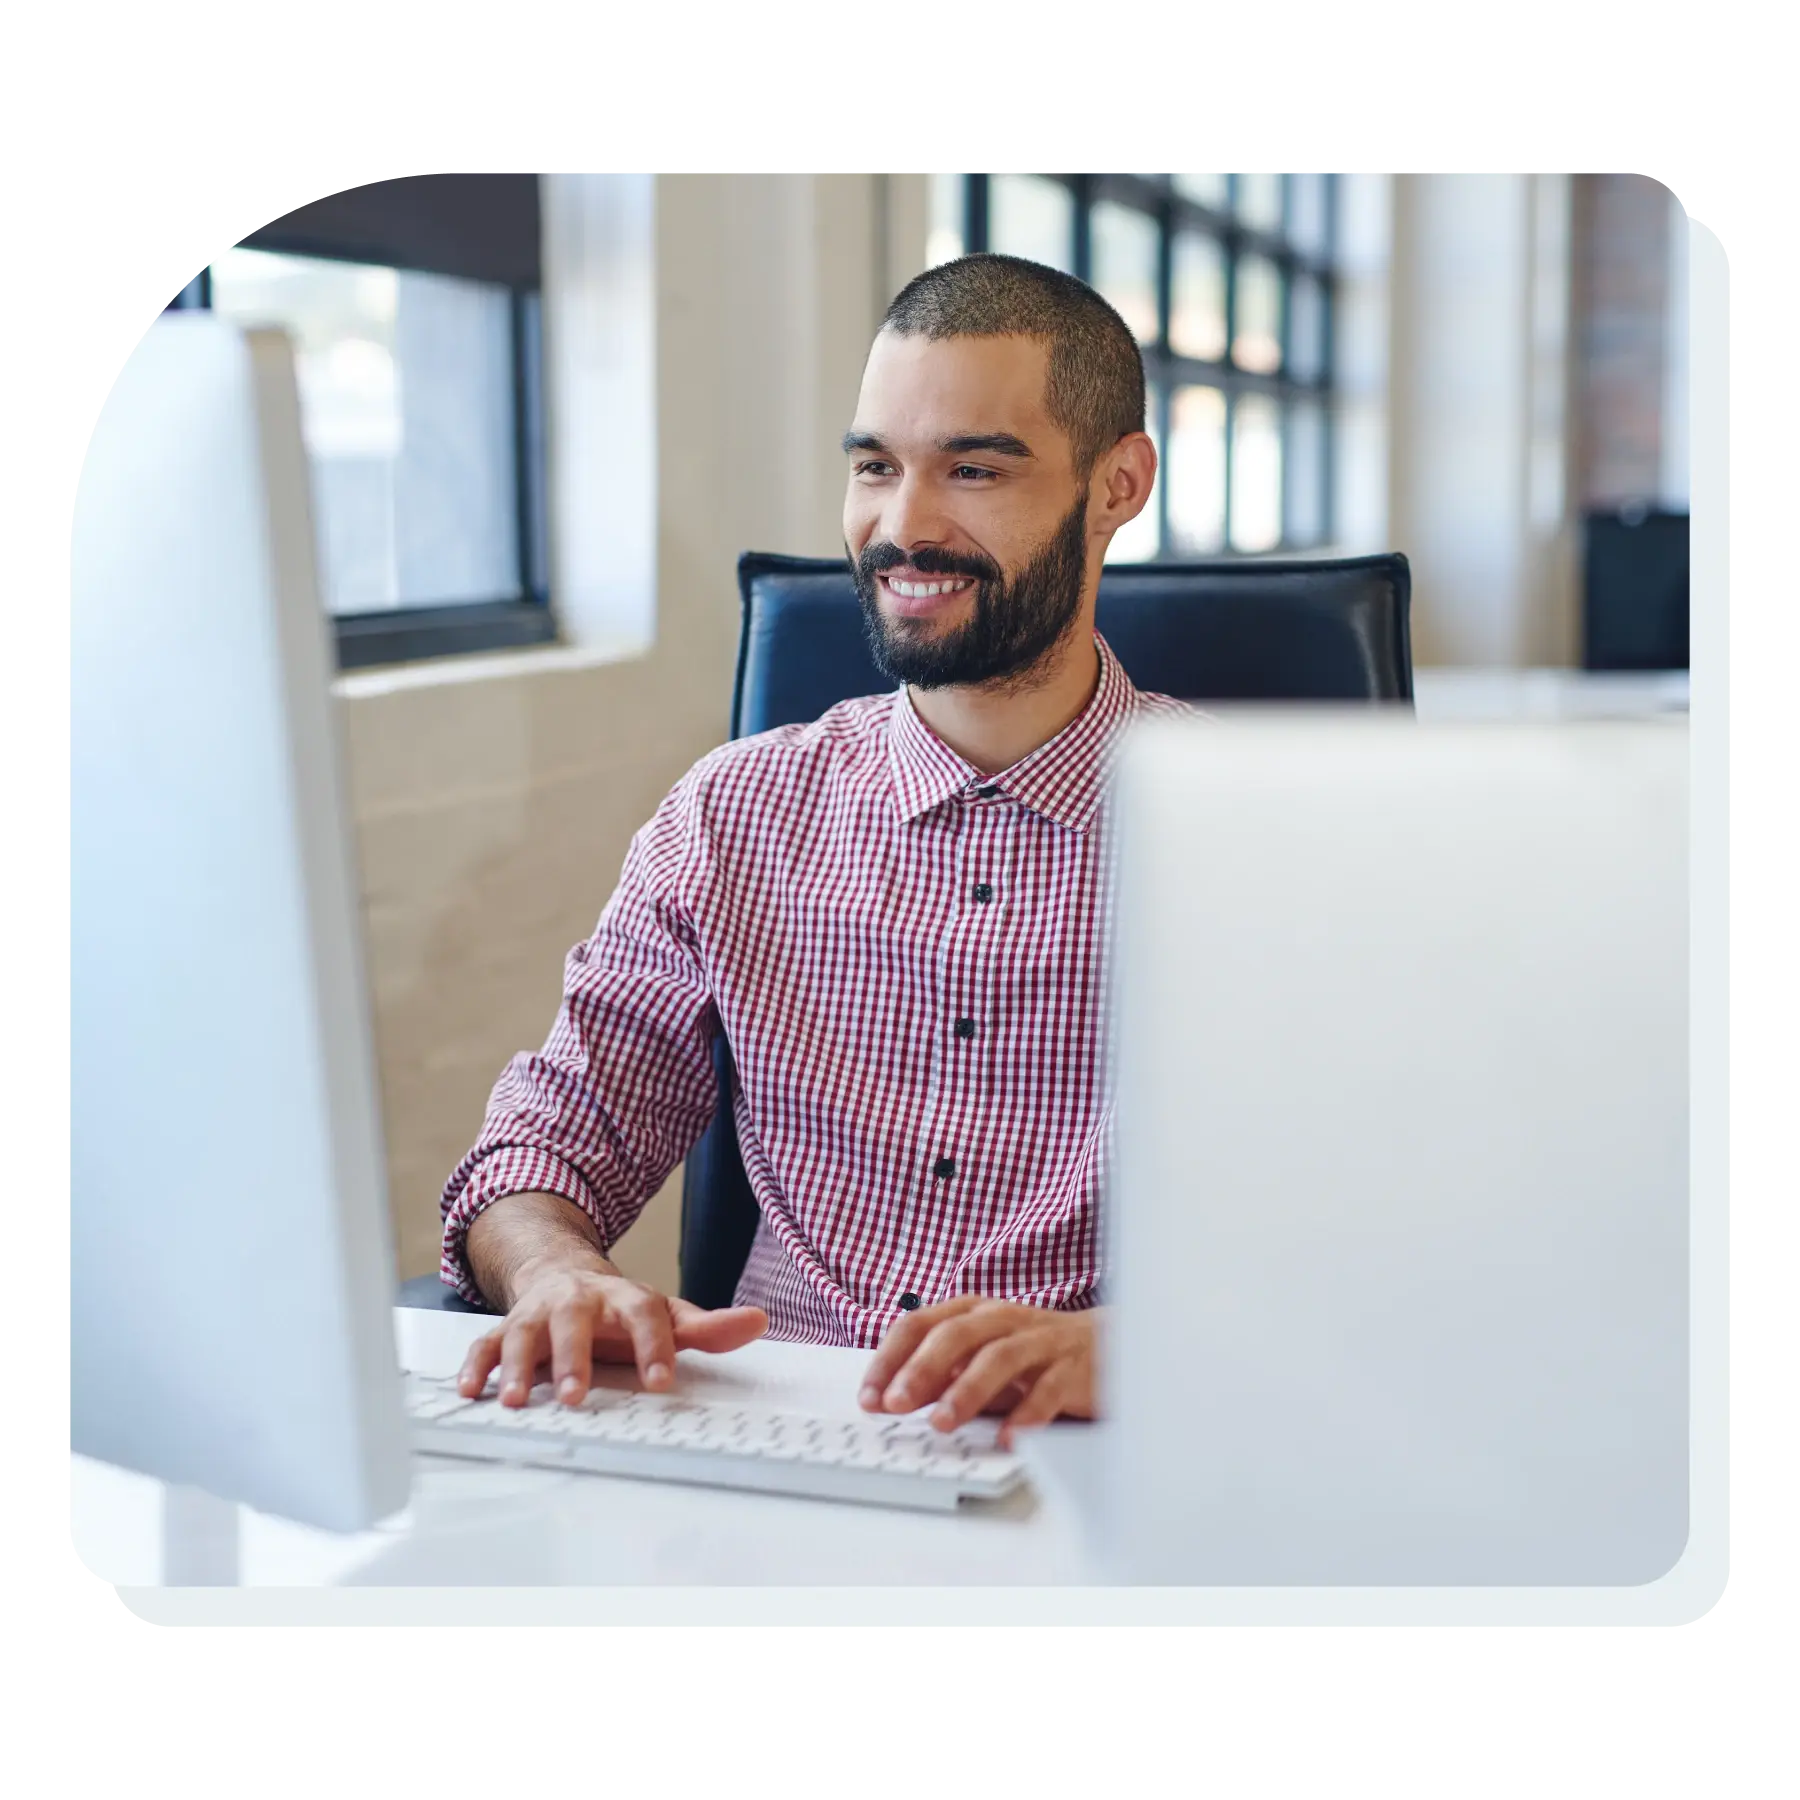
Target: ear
(1123,479)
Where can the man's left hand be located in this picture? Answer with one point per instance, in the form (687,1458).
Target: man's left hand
(973,1355)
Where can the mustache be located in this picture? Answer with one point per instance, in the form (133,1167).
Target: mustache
(877,558)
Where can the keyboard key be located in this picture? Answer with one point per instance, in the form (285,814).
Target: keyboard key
(435,1406)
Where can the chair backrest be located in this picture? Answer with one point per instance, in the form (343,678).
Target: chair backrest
(1634,610)
(1291,629)
(1238,630)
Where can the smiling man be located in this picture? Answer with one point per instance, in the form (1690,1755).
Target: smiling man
(894,915)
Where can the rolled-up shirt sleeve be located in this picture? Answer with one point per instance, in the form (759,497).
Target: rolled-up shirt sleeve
(623,1087)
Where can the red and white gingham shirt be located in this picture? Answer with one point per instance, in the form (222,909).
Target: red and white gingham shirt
(906,959)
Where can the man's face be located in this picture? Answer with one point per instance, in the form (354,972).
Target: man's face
(964,523)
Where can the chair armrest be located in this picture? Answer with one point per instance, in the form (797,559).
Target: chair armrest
(428,1294)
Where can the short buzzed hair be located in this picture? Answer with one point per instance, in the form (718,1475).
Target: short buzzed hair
(1094,387)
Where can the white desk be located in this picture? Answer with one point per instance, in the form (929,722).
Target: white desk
(488,1524)
(1445,694)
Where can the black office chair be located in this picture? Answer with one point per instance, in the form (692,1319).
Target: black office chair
(428,1294)
(1202,631)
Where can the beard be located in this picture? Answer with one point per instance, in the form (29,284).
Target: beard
(1015,624)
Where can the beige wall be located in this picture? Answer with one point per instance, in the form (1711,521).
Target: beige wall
(494,798)
(1477,417)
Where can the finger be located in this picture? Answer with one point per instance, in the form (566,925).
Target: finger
(572,1351)
(645,1316)
(1000,1400)
(1047,1397)
(996,1366)
(718,1330)
(903,1338)
(520,1354)
(1009,1396)
(927,1372)
(479,1364)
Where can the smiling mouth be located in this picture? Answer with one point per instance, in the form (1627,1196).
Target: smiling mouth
(926,590)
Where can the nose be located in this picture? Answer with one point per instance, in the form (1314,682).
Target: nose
(911,517)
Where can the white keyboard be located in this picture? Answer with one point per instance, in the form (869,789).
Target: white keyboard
(885,1460)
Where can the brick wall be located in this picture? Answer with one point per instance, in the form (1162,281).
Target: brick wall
(1619,277)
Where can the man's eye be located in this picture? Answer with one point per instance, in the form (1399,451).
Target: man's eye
(969,469)
(872,468)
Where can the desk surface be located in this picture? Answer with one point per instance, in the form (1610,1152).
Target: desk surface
(1547,695)
(488,1524)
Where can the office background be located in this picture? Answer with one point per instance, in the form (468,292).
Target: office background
(546,416)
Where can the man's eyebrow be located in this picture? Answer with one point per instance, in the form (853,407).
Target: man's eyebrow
(994,443)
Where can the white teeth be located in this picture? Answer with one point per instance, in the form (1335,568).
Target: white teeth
(924,590)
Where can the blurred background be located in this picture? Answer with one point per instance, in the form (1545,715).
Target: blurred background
(545,414)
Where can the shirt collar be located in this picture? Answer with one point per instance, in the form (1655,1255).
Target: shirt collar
(1063,780)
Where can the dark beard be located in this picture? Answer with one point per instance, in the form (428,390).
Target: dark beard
(1013,628)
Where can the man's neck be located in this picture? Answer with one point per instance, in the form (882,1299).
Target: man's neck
(993,728)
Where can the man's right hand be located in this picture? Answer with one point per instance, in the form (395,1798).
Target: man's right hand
(567,1318)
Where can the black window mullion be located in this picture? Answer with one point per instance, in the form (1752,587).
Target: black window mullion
(1081,249)
(975,212)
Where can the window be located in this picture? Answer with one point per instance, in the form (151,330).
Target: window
(1227,282)
(416,329)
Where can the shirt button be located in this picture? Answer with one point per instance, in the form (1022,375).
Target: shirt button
(986,793)
(965,1028)
(909,1302)
(943,1168)
(983,893)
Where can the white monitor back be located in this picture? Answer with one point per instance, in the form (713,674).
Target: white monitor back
(1399,1241)
(232,1271)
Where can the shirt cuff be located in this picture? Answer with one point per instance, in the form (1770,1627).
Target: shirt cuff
(512,1169)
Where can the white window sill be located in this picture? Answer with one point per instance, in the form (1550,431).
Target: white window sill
(497,665)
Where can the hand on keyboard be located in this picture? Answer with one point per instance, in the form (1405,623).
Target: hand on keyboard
(565,1319)
(973,1355)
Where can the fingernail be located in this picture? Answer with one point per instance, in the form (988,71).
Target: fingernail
(515,1390)
(870,1396)
(656,1374)
(943,1417)
(899,1394)
(568,1387)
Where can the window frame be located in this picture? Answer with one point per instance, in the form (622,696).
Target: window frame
(402,634)
(1164,370)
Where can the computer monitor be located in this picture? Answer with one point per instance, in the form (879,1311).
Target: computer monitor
(1398,1249)
(232,1270)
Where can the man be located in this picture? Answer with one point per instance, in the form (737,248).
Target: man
(894,914)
